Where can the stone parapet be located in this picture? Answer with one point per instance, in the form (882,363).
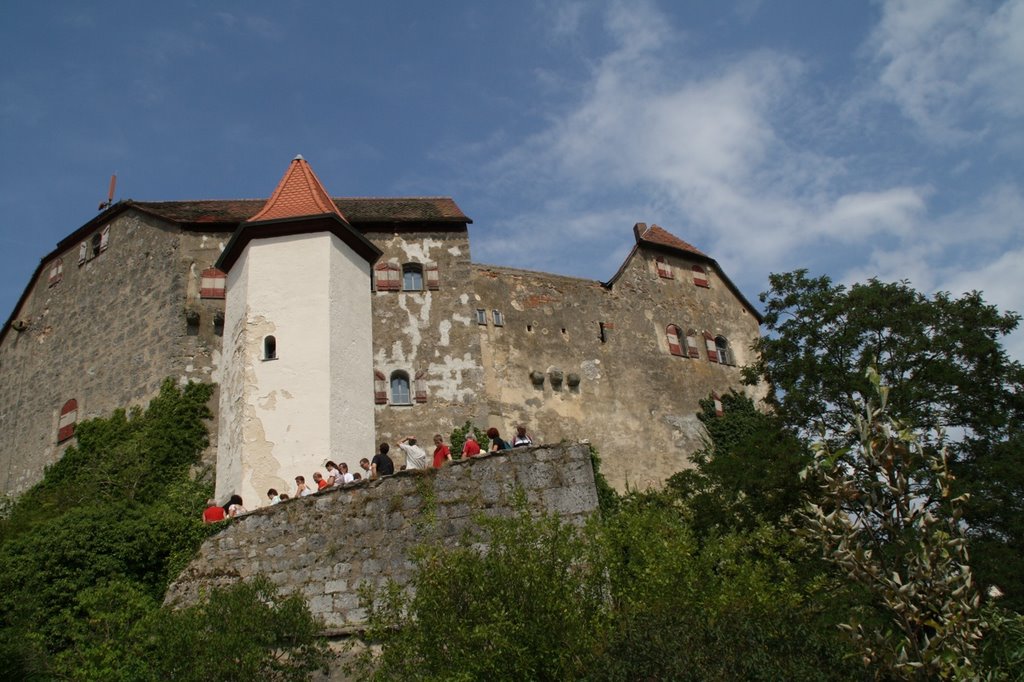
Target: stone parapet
(326,546)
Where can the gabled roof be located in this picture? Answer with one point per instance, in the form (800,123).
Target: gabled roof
(299,194)
(358,210)
(658,239)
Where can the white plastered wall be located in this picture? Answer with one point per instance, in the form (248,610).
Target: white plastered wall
(281,418)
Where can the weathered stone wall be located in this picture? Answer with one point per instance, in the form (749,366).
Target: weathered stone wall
(431,333)
(635,401)
(106,335)
(325,546)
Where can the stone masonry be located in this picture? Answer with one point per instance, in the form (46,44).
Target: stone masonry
(325,546)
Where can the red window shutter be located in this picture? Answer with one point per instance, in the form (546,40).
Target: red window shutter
(700,276)
(420,387)
(433,276)
(718,405)
(380,388)
(664,269)
(68,418)
(56,271)
(388,276)
(212,284)
(691,344)
(672,334)
(709,341)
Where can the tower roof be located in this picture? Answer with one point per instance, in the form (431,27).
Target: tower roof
(299,194)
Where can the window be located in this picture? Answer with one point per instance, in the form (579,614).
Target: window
(499,319)
(724,352)
(400,389)
(269,348)
(672,335)
(412,277)
(68,418)
(709,341)
(96,245)
(386,276)
(481,316)
(56,271)
(212,283)
(605,328)
(718,405)
(664,269)
(691,343)
(700,276)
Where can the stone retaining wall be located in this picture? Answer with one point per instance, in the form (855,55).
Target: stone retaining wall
(326,545)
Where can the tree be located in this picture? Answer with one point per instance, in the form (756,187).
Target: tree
(947,373)
(887,528)
(747,472)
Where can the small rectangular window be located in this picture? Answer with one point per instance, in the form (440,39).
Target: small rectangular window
(56,271)
(499,320)
(664,269)
(212,283)
(481,316)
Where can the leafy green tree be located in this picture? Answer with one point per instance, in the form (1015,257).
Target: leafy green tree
(747,472)
(947,373)
(892,534)
(458,438)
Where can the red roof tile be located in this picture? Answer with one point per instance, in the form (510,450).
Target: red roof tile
(656,235)
(299,194)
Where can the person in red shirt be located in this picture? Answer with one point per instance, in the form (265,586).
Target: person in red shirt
(471,448)
(213,512)
(441,452)
(321,482)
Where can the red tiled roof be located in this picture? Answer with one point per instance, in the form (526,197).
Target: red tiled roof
(656,235)
(299,194)
(356,209)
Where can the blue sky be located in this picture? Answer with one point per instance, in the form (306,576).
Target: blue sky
(855,139)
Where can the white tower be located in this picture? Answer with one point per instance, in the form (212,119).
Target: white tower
(297,322)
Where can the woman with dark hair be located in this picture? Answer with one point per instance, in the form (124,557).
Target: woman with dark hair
(234,506)
(497,443)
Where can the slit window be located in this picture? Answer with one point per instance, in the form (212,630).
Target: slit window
(400,394)
(481,316)
(269,348)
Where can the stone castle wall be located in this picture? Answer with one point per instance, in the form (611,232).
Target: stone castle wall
(105,335)
(325,546)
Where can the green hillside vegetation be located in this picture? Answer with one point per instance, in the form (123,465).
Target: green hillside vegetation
(86,555)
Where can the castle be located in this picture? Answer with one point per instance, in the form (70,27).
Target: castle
(331,324)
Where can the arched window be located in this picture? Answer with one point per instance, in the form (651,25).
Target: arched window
(724,352)
(672,334)
(400,394)
(412,277)
(269,348)
(68,419)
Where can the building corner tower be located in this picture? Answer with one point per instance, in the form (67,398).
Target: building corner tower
(297,379)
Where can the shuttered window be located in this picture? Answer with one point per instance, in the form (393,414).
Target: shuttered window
(664,269)
(691,343)
(433,276)
(212,283)
(672,335)
(56,271)
(380,388)
(700,276)
(709,341)
(68,419)
(420,386)
(388,276)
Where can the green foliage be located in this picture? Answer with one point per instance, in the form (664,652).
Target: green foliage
(1002,649)
(888,532)
(631,597)
(607,498)
(945,367)
(529,607)
(748,471)
(458,438)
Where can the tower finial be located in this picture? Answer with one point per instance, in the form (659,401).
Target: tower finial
(298,157)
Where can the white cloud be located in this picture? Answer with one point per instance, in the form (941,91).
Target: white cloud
(944,62)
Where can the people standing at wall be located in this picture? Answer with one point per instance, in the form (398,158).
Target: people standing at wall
(273,496)
(442,453)
(213,512)
(382,464)
(415,456)
(366,473)
(470,448)
(301,489)
(235,506)
(522,438)
(344,476)
(333,474)
(497,442)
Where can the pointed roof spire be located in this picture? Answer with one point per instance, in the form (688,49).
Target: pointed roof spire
(299,194)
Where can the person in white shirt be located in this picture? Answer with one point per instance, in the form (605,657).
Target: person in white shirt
(345,476)
(273,496)
(333,475)
(301,490)
(415,456)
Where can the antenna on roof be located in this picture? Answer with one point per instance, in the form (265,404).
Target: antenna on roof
(110,193)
